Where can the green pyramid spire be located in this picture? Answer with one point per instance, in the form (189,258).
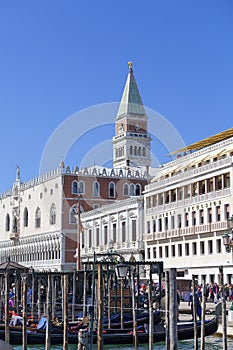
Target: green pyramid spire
(131,102)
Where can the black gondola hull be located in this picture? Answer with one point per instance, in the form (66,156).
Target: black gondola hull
(185,332)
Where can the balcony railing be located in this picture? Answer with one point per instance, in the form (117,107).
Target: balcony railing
(185,231)
(190,173)
(189,201)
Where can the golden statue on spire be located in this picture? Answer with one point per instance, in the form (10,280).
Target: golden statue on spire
(130,64)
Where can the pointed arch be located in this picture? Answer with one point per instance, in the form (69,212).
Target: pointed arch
(73,213)
(38,218)
(132,190)
(7,222)
(126,190)
(74,187)
(96,189)
(112,190)
(15,224)
(81,187)
(138,190)
(53,213)
(25,217)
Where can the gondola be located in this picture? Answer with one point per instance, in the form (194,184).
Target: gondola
(114,336)
(142,317)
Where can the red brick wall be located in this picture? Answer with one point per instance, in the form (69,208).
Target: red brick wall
(87,200)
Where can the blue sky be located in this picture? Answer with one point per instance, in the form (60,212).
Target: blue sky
(59,57)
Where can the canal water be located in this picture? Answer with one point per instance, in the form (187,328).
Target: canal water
(212,343)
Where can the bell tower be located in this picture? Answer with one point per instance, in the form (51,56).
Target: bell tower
(131,143)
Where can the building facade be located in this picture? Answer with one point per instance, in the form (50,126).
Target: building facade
(38,219)
(117,227)
(187,206)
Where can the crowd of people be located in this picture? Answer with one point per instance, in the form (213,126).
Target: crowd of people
(215,292)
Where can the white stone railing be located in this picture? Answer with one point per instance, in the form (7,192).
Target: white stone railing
(184,231)
(189,173)
(190,201)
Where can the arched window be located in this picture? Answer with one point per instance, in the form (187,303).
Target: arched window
(112,189)
(7,223)
(53,214)
(15,224)
(96,189)
(135,150)
(38,218)
(144,151)
(138,190)
(74,212)
(132,190)
(81,187)
(126,190)
(25,217)
(75,187)
(131,150)
(139,151)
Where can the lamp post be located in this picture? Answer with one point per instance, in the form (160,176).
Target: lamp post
(227,238)
(228,243)
(121,272)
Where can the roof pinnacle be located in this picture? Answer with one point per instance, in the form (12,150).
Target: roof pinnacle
(130,64)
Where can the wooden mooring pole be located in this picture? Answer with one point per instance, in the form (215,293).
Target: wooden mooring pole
(122,303)
(54,296)
(134,311)
(24,304)
(33,297)
(65,312)
(6,296)
(48,314)
(92,309)
(166,311)
(100,309)
(73,295)
(203,309)
(85,292)
(151,315)
(224,317)
(173,310)
(194,303)
(109,298)
(39,298)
